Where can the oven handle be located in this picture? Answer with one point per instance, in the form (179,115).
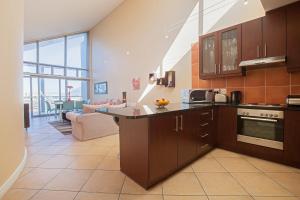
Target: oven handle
(260,119)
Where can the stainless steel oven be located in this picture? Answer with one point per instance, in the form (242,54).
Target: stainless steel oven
(261,127)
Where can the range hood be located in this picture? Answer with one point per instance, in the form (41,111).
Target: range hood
(263,61)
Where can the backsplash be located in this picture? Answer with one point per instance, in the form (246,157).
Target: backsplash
(270,85)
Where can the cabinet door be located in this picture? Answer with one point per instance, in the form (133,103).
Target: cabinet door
(187,143)
(208,55)
(292,137)
(274,33)
(230,50)
(293,37)
(252,39)
(227,127)
(162,146)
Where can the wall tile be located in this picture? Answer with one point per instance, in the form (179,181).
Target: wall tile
(255,78)
(277,77)
(254,95)
(195,82)
(195,70)
(195,53)
(295,78)
(236,81)
(295,90)
(218,83)
(204,83)
(277,94)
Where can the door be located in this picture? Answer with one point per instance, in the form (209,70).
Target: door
(227,127)
(252,39)
(274,33)
(291,144)
(162,146)
(230,50)
(208,55)
(293,39)
(187,141)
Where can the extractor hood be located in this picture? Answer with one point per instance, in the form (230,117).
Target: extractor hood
(263,61)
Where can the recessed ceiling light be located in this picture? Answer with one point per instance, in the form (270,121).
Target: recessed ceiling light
(127,53)
(166,36)
(245,2)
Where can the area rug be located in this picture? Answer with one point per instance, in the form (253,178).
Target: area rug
(63,127)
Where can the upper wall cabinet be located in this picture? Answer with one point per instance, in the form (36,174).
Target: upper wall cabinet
(293,37)
(220,53)
(265,37)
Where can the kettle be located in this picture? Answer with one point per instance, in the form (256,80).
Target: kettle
(236,97)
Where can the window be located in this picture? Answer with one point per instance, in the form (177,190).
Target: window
(52,52)
(30,52)
(77,51)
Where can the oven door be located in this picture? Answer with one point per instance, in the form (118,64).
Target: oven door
(261,131)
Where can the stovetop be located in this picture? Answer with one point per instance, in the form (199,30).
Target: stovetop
(258,105)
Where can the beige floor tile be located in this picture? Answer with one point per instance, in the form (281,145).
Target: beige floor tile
(52,150)
(290,181)
(140,197)
(70,180)
(36,179)
(187,169)
(237,165)
(36,160)
(130,187)
(105,181)
(221,153)
(220,184)
(85,162)
(78,150)
(182,184)
(207,165)
(276,198)
(230,198)
(25,171)
(267,166)
(19,194)
(54,195)
(258,184)
(58,161)
(109,163)
(100,150)
(185,198)
(96,196)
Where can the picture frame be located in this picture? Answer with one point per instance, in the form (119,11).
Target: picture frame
(101,88)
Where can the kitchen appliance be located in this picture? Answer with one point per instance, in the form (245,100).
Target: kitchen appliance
(293,100)
(261,62)
(259,126)
(196,96)
(220,98)
(235,97)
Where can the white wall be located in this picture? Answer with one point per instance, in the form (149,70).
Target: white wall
(11,103)
(139,27)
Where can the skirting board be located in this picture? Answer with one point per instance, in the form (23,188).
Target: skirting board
(13,177)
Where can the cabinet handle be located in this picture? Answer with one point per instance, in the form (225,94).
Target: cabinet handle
(176,119)
(219,68)
(265,49)
(257,51)
(205,124)
(181,122)
(206,113)
(216,66)
(212,114)
(204,136)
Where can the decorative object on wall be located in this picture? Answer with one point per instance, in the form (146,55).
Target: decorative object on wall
(170,79)
(152,78)
(100,88)
(136,83)
(124,98)
(69,87)
(160,81)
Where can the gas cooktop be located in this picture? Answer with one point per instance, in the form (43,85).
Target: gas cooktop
(259,105)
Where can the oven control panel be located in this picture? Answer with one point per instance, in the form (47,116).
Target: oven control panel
(276,114)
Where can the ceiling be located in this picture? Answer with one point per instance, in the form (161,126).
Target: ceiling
(272,4)
(50,18)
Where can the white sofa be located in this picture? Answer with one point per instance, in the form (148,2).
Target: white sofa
(86,126)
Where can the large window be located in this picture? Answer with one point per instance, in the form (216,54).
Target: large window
(52,65)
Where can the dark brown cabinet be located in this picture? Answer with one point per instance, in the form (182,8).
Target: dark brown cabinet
(208,55)
(205,131)
(293,37)
(227,127)
(265,37)
(291,144)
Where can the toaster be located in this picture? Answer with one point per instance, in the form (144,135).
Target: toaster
(220,98)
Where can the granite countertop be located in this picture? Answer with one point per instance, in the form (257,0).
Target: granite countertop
(149,110)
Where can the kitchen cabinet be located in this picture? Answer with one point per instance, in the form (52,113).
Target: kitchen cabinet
(291,145)
(220,53)
(265,37)
(293,37)
(227,127)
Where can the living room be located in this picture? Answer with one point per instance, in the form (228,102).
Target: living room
(98,100)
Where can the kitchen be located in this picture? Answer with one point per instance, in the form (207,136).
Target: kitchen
(255,58)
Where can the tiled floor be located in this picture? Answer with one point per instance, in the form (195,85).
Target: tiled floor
(61,168)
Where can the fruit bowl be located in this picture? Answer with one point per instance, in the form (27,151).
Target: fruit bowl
(161,103)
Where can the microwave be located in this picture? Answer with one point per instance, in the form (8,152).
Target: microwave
(197,96)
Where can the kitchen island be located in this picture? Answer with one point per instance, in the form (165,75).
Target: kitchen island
(155,143)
